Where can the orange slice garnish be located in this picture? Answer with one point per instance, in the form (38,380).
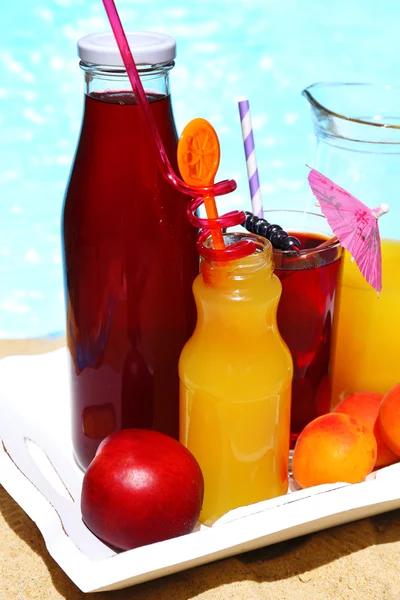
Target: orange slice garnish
(198,153)
(198,162)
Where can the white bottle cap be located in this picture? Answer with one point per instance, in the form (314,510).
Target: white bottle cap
(147,47)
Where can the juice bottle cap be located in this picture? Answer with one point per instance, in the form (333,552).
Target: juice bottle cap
(147,47)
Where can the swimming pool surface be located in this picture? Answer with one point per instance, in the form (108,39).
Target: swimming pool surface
(265,50)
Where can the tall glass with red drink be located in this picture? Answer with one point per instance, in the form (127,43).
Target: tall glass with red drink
(305,312)
(129,251)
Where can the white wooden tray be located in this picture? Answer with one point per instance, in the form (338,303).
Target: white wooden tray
(38,471)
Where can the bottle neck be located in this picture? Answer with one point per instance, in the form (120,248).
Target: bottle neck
(239,274)
(103,81)
(239,296)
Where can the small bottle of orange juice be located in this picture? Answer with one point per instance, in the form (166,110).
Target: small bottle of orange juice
(235,382)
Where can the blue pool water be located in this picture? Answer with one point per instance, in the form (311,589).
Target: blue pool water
(266,50)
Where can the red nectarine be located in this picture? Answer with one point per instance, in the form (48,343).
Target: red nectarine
(141,487)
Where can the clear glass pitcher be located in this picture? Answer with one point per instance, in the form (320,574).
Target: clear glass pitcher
(357,127)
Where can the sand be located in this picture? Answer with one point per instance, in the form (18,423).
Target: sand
(360,560)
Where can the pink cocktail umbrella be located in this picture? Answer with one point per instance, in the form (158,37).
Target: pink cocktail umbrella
(354,224)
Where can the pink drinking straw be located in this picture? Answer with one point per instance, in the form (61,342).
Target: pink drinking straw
(223,187)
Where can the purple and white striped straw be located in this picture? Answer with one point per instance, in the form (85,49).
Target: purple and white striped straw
(251,161)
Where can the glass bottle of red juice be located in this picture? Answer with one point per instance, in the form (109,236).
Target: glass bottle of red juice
(129,251)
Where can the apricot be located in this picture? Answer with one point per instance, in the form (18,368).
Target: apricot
(364,407)
(389,419)
(333,448)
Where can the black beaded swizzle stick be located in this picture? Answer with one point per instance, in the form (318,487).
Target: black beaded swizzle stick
(274,233)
